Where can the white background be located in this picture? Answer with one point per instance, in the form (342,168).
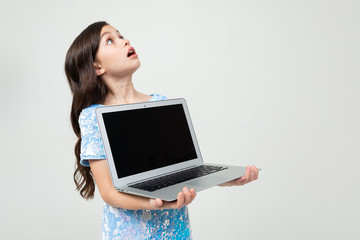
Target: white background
(270,83)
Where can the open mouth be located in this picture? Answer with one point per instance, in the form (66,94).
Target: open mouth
(131,52)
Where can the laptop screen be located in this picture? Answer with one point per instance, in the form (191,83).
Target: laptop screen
(148,138)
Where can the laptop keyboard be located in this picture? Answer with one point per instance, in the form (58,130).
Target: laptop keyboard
(175,178)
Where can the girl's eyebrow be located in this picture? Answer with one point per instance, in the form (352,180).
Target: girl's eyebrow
(102,35)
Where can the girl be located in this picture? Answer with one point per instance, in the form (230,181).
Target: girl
(99,66)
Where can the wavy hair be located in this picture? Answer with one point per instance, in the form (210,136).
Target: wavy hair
(87,89)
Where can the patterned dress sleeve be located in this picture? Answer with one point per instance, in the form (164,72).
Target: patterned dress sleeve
(157,97)
(91,142)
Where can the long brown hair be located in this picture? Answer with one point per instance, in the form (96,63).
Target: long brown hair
(87,89)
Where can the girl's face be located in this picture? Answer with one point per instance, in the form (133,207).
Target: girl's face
(115,57)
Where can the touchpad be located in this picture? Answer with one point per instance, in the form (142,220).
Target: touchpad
(207,181)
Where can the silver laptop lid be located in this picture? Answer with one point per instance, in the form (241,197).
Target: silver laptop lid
(144,140)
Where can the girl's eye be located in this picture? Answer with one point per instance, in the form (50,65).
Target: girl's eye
(109,41)
(121,37)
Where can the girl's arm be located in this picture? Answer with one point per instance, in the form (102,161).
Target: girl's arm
(114,198)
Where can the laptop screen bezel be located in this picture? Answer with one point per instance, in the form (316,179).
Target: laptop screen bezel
(152,173)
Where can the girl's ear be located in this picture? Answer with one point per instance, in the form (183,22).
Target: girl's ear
(99,70)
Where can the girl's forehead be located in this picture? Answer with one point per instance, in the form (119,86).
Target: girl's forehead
(108,28)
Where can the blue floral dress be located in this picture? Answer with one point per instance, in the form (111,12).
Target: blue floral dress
(119,223)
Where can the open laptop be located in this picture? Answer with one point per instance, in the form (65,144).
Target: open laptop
(152,150)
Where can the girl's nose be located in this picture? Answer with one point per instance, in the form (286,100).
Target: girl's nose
(126,42)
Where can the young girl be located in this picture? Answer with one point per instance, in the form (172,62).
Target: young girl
(99,66)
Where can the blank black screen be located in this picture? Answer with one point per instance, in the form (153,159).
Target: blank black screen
(148,138)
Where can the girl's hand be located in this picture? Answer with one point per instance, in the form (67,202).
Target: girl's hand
(184,198)
(251,174)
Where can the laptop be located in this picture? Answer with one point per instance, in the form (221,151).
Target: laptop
(152,150)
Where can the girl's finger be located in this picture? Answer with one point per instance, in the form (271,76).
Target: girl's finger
(252,175)
(248,172)
(180,200)
(187,196)
(193,193)
(240,181)
(256,172)
(156,203)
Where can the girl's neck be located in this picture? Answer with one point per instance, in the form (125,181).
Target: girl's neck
(123,92)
